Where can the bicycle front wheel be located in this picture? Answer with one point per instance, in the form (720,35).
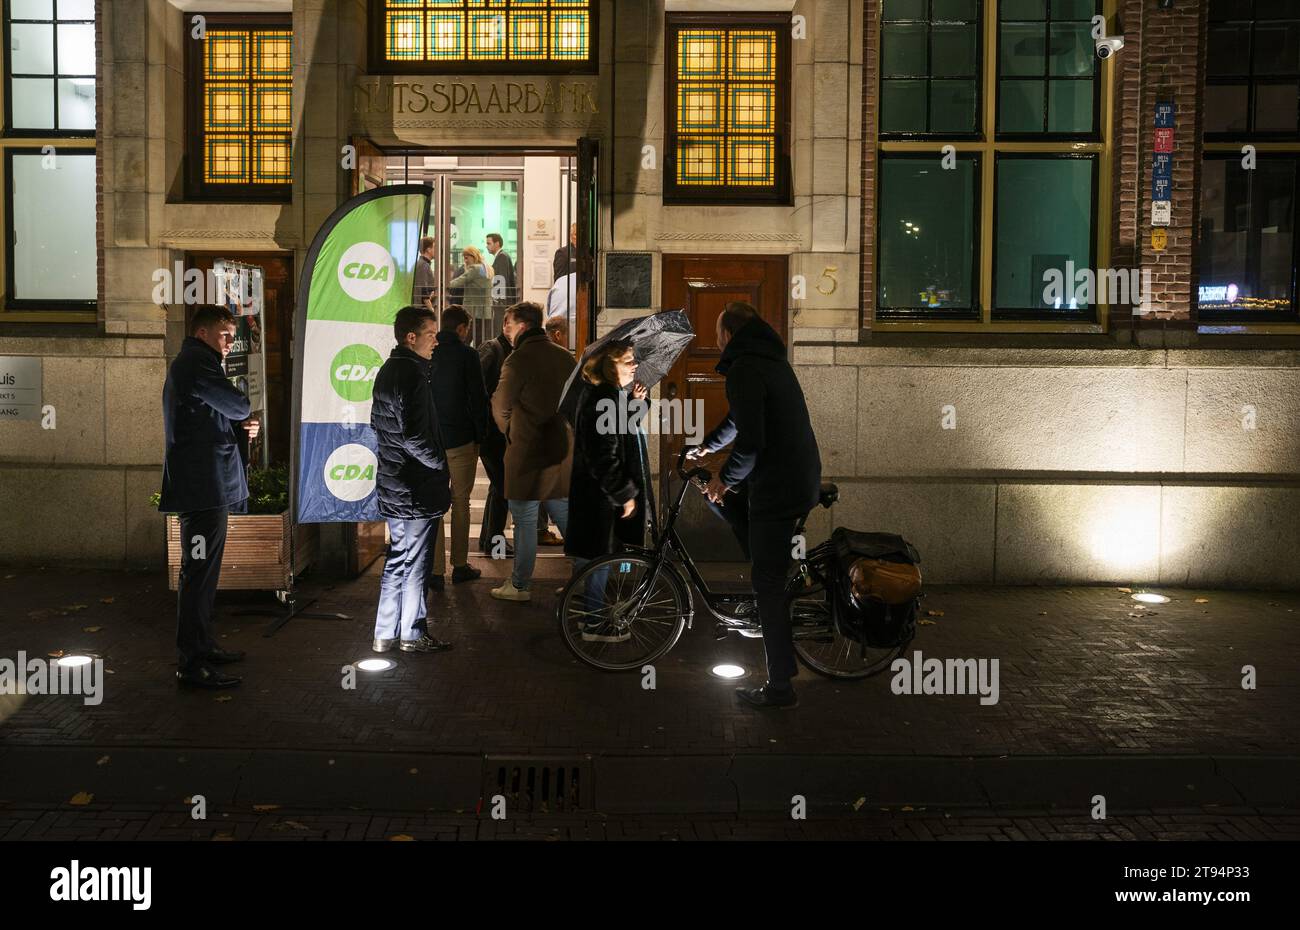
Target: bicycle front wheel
(618,613)
(823,648)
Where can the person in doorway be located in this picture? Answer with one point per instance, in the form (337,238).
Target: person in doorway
(566,257)
(412,484)
(492,355)
(539,441)
(203,482)
(476,282)
(557,330)
(775,456)
(462,404)
(422,290)
(607,490)
(503,279)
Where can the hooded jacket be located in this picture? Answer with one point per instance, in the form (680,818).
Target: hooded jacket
(775,449)
(202,467)
(413,482)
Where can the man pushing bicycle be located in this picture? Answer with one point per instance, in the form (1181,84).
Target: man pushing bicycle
(770,480)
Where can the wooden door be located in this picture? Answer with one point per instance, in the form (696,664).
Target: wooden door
(588,219)
(370,167)
(703,285)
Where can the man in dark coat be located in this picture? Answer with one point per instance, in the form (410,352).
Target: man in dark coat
(775,456)
(413,485)
(462,403)
(566,257)
(492,451)
(504,290)
(203,481)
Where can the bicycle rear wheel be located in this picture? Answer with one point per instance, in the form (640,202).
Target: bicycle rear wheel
(821,646)
(615,616)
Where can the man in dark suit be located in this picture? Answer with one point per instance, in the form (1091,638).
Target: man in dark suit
(203,482)
(503,279)
(566,258)
(413,484)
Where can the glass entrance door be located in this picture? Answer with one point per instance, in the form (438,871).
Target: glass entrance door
(472,276)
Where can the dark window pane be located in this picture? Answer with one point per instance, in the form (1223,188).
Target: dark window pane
(1023,9)
(1044,219)
(1225,108)
(1023,49)
(1073,9)
(903,52)
(1072,51)
(953,51)
(927,234)
(1229,9)
(1229,49)
(1247,241)
(952,106)
(1021,106)
(903,9)
(1277,47)
(960,10)
(902,106)
(1276,107)
(1069,106)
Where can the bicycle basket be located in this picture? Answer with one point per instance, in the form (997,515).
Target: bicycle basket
(877,587)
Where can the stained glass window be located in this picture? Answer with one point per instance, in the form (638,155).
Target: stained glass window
(726,95)
(514,33)
(246,107)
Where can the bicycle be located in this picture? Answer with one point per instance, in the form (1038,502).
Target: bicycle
(634,605)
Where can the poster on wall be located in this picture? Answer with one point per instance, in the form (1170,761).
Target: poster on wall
(358,274)
(241,288)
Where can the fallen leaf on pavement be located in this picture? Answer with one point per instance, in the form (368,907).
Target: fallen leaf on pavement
(81,799)
(41,614)
(857,805)
(262,808)
(102,760)
(1125,590)
(74,606)
(107,600)
(401,838)
(222,698)
(925,622)
(1042,613)
(934,613)
(91,629)
(1202,600)
(906,807)
(56,654)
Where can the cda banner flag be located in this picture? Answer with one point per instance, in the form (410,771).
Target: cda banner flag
(358,274)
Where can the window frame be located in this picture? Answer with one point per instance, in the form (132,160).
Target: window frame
(980,102)
(70,305)
(1093,134)
(379,64)
(196,189)
(53,133)
(781,193)
(1251,82)
(989,144)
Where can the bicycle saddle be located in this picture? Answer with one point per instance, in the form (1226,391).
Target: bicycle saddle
(828,494)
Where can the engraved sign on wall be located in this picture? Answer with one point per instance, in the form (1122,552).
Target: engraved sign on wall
(20,388)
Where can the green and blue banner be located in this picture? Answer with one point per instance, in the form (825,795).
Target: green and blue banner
(358,274)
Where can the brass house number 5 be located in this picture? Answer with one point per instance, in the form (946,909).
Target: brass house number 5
(828,274)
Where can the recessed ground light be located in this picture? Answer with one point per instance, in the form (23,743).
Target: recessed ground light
(1147,598)
(74,661)
(728,671)
(376,665)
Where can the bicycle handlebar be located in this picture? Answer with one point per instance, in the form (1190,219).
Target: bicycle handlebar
(702,473)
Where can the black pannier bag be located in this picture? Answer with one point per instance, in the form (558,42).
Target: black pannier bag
(877,588)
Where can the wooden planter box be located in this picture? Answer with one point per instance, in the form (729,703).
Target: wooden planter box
(257,552)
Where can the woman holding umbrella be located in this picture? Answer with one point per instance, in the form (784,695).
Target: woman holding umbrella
(607,493)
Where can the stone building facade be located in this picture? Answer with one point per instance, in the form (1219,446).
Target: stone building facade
(1144,444)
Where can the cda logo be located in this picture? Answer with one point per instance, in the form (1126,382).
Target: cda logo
(350,472)
(353,371)
(366,271)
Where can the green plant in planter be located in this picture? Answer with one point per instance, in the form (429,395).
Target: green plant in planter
(268,490)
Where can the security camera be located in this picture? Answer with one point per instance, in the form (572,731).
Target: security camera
(1108,45)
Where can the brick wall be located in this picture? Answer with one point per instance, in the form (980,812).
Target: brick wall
(99,156)
(870,109)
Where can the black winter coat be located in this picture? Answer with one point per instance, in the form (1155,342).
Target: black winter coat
(775,449)
(492,355)
(607,472)
(413,481)
(202,466)
(458,392)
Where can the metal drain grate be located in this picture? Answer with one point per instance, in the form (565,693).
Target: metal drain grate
(533,785)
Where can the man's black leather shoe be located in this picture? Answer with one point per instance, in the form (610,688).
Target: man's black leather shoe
(204,676)
(425,643)
(224,656)
(464,573)
(768,697)
(437,583)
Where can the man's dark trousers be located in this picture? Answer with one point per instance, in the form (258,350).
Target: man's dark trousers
(770,543)
(197,588)
(735,510)
(492,454)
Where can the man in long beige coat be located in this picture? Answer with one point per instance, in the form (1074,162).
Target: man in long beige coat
(539,440)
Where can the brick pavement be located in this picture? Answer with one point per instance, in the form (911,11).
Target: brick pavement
(1082,672)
